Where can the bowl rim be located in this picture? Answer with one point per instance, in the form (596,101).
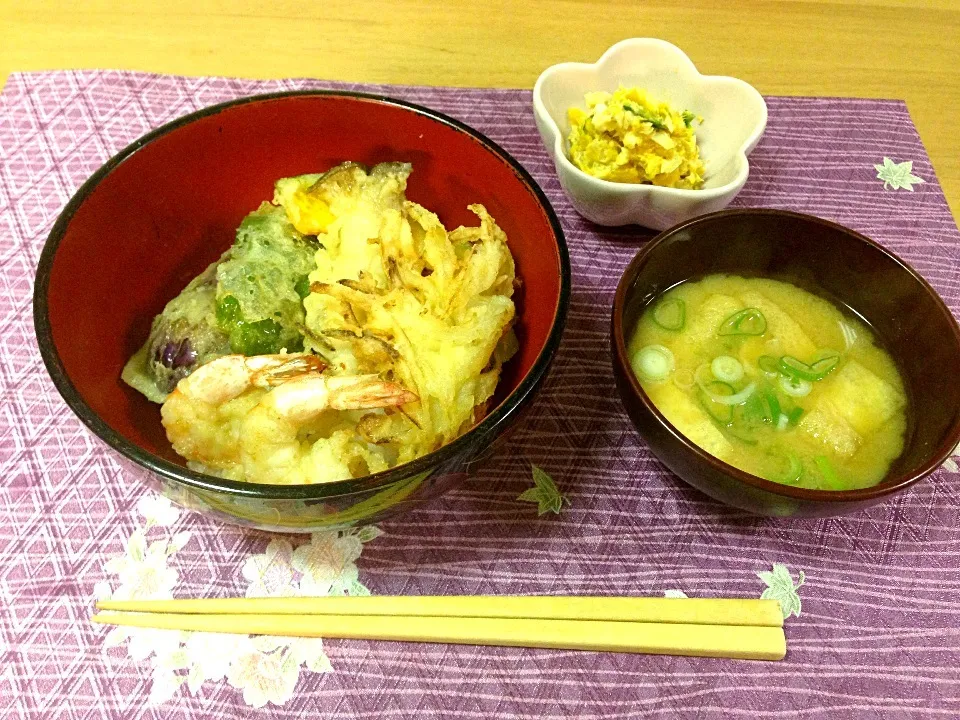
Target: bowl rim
(837,497)
(555,147)
(516,401)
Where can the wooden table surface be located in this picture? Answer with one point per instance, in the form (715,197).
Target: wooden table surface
(907,49)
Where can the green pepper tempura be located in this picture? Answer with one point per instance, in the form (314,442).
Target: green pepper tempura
(249,302)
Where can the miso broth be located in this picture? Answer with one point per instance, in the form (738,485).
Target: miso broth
(773,380)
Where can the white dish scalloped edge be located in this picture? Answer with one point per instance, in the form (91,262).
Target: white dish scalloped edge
(734,114)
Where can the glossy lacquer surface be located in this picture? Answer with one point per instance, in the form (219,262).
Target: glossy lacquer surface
(164,208)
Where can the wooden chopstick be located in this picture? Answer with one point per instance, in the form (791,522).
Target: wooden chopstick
(734,628)
(731,641)
(689,611)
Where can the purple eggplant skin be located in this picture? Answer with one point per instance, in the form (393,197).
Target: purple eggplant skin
(186,355)
(263,278)
(183,337)
(174,355)
(166,355)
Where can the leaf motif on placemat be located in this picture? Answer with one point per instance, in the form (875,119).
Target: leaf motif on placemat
(545,493)
(897,175)
(266,669)
(780,587)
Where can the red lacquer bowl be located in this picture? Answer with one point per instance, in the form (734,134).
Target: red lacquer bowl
(164,208)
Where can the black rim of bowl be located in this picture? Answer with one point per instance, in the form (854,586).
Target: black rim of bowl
(510,406)
(873,492)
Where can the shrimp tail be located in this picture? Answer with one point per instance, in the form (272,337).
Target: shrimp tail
(366,391)
(304,398)
(227,377)
(276,370)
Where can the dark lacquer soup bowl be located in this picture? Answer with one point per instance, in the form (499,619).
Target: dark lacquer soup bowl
(159,212)
(908,317)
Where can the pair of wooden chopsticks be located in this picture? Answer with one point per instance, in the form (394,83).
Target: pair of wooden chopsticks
(734,628)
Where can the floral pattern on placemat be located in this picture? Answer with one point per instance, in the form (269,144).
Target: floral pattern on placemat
(877,635)
(266,669)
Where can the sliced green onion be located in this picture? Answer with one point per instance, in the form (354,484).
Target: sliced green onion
(755,410)
(817,370)
(773,403)
(793,472)
(684,379)
(826,364)
(795,414)
(831,480)
(748,321)
(782,422)
(726,368)
(740,434)
(725,398)
(702,374)
(746,419)
(653,363)
(670,314)
(769,364)
(737,398)
(721,412)
(793,367)
(718,388)
(795,387)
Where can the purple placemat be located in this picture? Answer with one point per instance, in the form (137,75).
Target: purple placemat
(877,634)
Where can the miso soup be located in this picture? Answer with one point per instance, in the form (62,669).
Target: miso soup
(773,380)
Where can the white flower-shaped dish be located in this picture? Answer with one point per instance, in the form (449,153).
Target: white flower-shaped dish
(734,117)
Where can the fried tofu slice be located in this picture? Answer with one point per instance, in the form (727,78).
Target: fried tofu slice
(690,419)
(823,425)
(702,328)
(860,397)
(793,340)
